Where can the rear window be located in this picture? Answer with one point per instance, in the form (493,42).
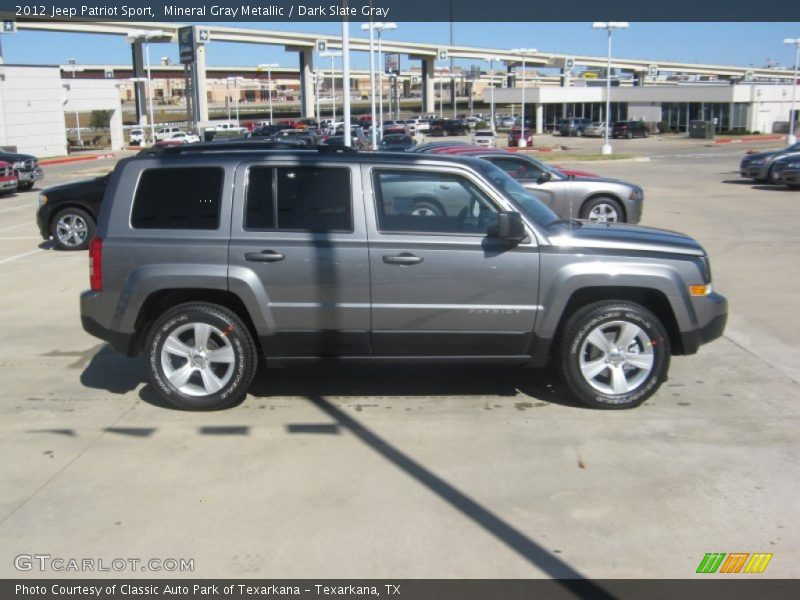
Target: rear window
(299,199)
(178,198)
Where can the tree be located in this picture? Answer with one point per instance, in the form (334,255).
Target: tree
(100,119)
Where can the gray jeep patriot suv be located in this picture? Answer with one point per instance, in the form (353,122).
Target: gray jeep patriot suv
(209,257)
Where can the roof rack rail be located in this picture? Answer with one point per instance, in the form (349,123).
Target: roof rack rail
(211,146)
(337,149)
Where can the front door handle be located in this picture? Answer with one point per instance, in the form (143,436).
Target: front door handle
(405,258)
(265,256)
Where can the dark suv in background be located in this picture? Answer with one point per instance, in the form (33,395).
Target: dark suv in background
(308,255)
(67,213)
(629,129)
(26,168)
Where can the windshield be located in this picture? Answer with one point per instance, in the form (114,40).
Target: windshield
(523,198)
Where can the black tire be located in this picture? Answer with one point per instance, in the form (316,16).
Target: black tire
(24,187)
(599,201)
(650,345)
(230,332)
(77,238)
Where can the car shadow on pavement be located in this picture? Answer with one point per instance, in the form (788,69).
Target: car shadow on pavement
(738,181)
(774,188)
(112,372)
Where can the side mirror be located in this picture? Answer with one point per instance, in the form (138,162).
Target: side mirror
(509,227)
(544,178)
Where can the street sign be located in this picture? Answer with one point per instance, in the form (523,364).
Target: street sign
(415,80)
(186,44)
(569,63)
(392,64)
(9,27)
(442,54)
(201,35)
(322,45)
(109,73)
(652,70)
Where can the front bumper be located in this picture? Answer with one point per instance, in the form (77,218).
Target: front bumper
(30,175)
(6,185)
(753,171)
(43,221)
(713,328)
(790,177)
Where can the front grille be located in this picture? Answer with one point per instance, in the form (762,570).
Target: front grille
(7,171)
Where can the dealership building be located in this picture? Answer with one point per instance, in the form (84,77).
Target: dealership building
(39,103)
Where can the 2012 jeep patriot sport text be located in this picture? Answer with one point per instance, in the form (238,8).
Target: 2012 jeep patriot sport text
(207,257)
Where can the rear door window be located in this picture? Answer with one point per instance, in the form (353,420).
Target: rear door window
(299,199)
(178,198)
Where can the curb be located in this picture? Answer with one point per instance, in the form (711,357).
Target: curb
(61,161)
(755,138)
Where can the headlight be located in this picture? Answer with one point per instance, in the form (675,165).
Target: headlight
(793,166)
(42,199)
(758,161)
(19,165)
(637,194)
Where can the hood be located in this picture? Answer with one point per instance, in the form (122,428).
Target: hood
(598,179)
(12,157)
(80,187)
(757,155)
(621,236)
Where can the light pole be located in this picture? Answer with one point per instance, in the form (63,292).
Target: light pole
(235,81)
(793,113)
(73,67)
(333,54)
(441,93)
(348,140)
(491,60)
(268,68)
(380,27)
(608,26)
(147,36)
(524,52)
(373,131)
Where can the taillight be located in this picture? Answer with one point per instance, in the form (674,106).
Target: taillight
(96,264)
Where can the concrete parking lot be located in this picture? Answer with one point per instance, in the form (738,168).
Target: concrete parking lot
(409,471)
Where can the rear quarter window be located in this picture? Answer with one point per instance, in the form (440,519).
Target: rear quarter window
(178,198)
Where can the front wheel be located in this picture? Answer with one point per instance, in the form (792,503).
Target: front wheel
(24,187)
(200,356)
(614,354)
(72,229)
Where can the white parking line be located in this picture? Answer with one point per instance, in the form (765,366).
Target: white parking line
(10,258)
(5,210)
(17,226)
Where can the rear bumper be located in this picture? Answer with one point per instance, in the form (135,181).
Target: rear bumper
(713,328)
(92,320)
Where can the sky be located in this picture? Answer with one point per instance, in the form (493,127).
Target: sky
(741,44)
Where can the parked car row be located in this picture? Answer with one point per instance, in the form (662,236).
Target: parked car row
(775,166)
(582,196)
(23,167)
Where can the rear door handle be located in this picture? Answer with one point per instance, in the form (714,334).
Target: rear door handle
(402,259)
(264,256)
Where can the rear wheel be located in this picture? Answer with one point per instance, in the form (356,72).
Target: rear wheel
(603,209)
(614,354)
(200,356)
